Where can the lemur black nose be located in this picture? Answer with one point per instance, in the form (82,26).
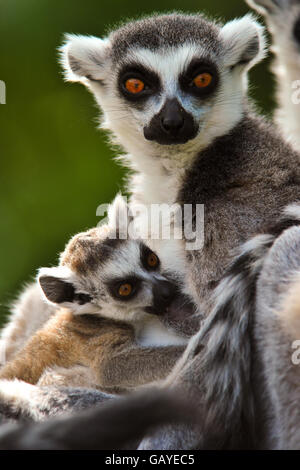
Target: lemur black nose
(165,290)
(163,294)
(172,118)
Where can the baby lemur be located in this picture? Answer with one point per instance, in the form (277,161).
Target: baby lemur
(109,294)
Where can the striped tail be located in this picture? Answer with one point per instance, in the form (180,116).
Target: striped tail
(226,359)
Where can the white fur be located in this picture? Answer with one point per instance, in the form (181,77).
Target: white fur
(293,211)
(19,395)
(152,333)
(236,36)
(89,52)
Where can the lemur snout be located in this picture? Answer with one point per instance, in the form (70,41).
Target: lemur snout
(163,294)
(172,125)
(172,118)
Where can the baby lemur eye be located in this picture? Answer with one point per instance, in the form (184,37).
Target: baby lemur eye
(125,290)
(152,260)
(134,85)
(149,260)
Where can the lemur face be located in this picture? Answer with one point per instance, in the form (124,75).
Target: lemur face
(170,81)
(118,279)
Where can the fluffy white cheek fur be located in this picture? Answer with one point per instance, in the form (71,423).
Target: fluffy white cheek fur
(227,108)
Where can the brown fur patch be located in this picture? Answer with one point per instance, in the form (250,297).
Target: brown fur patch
(87,250)
(106,347)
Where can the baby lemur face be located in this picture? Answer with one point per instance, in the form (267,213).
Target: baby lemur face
(118,279)
(167,80)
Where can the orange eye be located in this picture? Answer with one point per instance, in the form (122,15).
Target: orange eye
(203,80)
(152,260)
(125,290)
(134,85)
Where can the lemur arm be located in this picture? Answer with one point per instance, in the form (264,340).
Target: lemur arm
(283,21)
(134,366)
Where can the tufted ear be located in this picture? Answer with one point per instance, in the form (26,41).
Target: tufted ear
(58,288)
(244,42)
(84,57)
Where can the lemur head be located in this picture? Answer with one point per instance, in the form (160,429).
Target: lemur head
(117,278)
(168,84)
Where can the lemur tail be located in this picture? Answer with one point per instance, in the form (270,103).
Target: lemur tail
(226,336)
(119,424)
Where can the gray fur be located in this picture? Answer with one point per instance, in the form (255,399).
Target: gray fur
(245,174)
(163,31)
(25,402)
(108,426)
(246,381)
(280,385)
(243,183)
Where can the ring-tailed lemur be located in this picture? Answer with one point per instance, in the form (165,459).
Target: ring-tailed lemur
(246,386)
(109,294)
(173,91)
(192,73)
(233,162)
(283,21)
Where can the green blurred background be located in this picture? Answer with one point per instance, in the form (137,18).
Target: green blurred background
(55,166)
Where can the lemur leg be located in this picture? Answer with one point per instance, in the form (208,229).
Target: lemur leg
(22,401)
(29,313)
(273,328)
(283,21)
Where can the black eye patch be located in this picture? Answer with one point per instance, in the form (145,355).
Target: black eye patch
(145,254)
(198,67)
(296,30)
(114,287)
(150,80)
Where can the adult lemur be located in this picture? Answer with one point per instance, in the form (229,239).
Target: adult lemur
(173,92)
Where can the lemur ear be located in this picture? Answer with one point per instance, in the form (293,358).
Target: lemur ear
(84,57)
(55,286)
(244,42)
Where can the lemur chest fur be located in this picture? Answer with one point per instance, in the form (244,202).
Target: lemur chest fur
(152,333)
